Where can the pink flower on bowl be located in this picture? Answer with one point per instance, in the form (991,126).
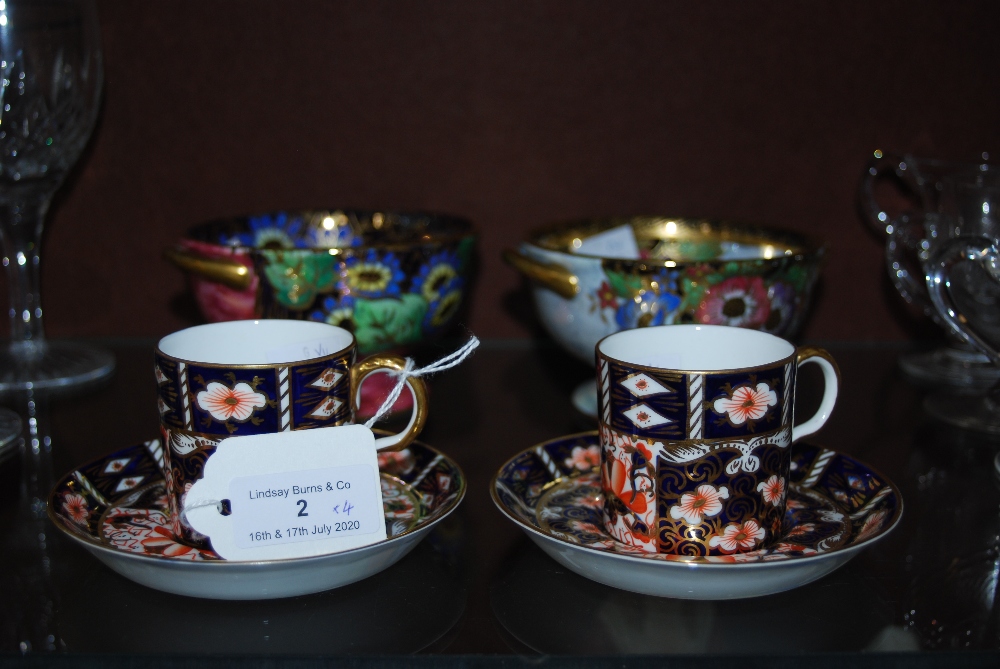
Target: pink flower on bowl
(739,301)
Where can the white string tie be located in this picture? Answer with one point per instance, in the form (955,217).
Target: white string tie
(185,507)
(447,362)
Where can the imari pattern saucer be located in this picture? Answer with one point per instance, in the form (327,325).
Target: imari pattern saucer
(836,507)
(116,507)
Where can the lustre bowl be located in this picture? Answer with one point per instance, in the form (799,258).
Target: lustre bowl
(688,271)
(391,278)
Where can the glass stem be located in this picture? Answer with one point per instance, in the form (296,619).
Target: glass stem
(21,231)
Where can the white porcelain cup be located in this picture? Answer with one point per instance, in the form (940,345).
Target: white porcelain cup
(261,376)
(696,425)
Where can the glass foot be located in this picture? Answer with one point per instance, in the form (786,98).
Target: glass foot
(966,372)
(60,365)
(980,414)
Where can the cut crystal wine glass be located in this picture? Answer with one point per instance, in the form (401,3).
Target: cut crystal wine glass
(50,86)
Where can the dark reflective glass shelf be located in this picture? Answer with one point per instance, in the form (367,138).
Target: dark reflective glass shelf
(477,591)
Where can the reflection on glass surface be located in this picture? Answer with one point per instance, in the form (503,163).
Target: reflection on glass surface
(28,544)
(570,614)
(10,430)
(404,609)
(953,557)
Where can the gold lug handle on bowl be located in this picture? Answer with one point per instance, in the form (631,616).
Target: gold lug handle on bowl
(553,276)
(227,272)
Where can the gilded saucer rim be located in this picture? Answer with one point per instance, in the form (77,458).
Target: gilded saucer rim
(695,562)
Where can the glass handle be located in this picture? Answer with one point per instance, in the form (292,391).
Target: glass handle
(902,235)
(879,164)
(981,250)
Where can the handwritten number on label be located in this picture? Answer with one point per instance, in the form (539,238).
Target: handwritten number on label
(302,511)
(346,507)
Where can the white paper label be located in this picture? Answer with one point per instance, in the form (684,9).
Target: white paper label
(304,506)
(315,348)
(290,494)
(614,243)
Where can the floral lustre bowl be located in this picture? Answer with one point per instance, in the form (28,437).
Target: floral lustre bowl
(688,271)
(392,278)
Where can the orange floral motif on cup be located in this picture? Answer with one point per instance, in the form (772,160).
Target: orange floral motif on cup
(619,483)
(237,403)
(737,537)
(706,500)
(772,490)
(746,403)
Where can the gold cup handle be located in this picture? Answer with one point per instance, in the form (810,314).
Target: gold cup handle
(831,378)
(376,363)
(553,276)
(228,272)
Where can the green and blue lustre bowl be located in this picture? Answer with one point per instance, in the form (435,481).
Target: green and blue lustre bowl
(392,278)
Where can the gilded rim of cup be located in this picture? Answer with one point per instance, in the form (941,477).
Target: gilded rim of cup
(735,370)
(266,365)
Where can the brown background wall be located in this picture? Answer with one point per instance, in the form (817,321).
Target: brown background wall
(513,114)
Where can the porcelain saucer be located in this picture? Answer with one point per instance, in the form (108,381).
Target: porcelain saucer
(837,506)
(116,507)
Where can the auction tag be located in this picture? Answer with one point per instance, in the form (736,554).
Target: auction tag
(290,494)
(614,243)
